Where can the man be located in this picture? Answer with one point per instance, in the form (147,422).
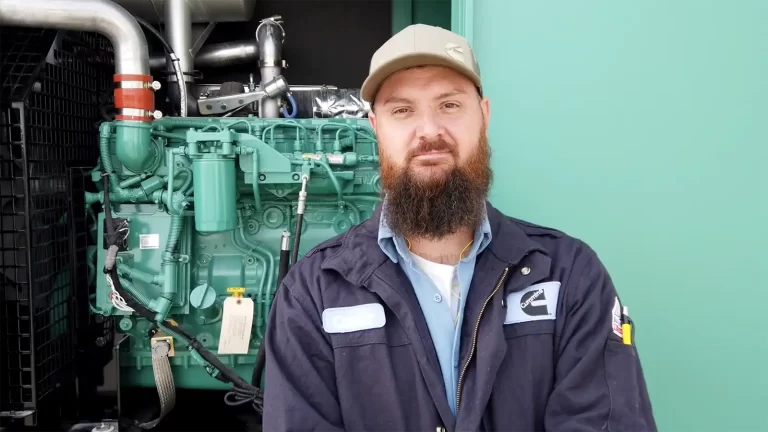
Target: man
(440,312)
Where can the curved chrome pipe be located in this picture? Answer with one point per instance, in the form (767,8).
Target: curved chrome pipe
(100,16)
(269,37)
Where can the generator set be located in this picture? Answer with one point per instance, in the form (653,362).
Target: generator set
(203,195)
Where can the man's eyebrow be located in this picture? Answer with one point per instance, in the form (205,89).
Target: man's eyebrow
(454,92)
(402,100)
(395,99)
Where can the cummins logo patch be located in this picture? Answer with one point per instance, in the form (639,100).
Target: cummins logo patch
(535,303)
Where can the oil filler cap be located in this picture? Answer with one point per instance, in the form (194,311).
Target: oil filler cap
(202,297)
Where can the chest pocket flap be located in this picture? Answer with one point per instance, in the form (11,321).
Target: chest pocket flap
(536,303)
(361,325)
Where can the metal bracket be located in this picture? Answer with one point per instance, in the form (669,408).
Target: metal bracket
(222,104)
(162,337)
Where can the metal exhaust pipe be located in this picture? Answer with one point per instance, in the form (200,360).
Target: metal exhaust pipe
(217,55)
(269,37)
(178,33)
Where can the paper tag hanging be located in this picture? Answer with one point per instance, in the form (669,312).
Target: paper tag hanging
(236,324)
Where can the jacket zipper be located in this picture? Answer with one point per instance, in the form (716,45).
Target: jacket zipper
(474,338)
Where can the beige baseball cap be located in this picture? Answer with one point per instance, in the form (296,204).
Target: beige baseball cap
(420,45)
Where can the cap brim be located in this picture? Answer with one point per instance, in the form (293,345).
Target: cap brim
(373,82)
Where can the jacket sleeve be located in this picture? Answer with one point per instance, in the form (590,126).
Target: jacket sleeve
(299,384)
(599,380)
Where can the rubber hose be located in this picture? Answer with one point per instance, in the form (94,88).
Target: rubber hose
(294,110)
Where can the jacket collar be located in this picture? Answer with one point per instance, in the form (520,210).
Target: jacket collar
(360,254)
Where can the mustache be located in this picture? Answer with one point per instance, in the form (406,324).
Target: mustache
(433,145)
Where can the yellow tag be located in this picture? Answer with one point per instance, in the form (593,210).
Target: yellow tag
(236,325)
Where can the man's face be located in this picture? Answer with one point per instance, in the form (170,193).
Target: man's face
(431,128)
(428,120)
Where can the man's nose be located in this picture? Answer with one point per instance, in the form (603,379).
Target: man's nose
(429,127)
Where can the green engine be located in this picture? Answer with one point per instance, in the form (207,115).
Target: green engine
(203,208)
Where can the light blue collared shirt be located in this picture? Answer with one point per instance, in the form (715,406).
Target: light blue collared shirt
(445,335)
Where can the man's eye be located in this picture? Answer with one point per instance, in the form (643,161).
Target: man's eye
(451,105)
(400,111)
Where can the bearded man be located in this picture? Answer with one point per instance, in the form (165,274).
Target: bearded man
(439,312)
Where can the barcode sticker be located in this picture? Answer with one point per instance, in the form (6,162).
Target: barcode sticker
(149,241)
(236,325)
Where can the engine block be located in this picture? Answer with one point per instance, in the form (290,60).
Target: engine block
(203,204)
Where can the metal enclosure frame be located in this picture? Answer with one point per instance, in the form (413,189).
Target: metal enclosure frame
(462,18)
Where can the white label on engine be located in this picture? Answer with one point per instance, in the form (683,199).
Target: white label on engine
(335,159)
(149,241)
(236,324)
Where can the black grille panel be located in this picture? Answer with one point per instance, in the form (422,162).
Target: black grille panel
(50,106)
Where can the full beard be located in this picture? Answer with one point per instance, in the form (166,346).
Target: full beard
(442,203)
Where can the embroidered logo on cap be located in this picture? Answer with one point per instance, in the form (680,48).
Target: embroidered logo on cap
(455,51)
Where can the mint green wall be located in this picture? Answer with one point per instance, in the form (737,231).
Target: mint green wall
(642,127)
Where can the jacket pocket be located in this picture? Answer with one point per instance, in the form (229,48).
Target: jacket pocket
(378,380)
(626,388)
(391,334)
(512,331)
(525,378)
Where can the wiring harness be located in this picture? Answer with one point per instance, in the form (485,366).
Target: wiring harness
(243,393)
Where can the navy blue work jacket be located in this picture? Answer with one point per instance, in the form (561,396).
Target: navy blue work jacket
(348,348)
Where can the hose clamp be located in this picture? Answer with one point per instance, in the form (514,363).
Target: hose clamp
(276,20)
(154,85)
(269,63)
(136,112)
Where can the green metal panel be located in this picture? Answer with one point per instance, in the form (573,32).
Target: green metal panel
(402,14)
(642,128)
(432,12)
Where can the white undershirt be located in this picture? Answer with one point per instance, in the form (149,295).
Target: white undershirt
(442,275)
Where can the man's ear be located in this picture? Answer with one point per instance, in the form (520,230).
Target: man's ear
(485,106)
(372,120)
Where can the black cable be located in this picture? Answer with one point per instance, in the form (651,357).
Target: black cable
(299,219)
(174,61)
(283,266)
(108,208)
(166,46)
(297,238)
